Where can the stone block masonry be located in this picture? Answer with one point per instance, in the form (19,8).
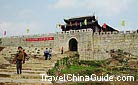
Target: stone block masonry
(91,46)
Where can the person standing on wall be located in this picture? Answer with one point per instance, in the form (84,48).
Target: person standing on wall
(62,50)
(46,53)
(50,53)
(19,58)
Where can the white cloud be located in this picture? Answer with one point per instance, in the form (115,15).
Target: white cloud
(112,7)
(107,7)
(64,4)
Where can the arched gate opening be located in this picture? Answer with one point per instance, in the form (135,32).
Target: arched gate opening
(73,44)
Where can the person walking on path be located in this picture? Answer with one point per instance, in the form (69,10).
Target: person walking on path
(19,58)
(50,53)
(46,53)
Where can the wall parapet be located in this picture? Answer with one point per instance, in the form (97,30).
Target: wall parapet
(115,33)
(96,33)
(76,31)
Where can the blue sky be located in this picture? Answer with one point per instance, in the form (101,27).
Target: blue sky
(41,16)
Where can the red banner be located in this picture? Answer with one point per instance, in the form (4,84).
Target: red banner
(39,39)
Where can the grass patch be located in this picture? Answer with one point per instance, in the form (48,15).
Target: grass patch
(76,68)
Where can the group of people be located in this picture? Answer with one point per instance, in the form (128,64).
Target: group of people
(21,56)
(48,53)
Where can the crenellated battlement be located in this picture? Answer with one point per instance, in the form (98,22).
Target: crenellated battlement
(74,32)
(97,33)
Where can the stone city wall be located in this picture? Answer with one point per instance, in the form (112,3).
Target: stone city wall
(91,46)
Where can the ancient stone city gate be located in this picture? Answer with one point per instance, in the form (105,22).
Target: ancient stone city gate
(90,46)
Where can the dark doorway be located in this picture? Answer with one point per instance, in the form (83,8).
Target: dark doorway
(73,45)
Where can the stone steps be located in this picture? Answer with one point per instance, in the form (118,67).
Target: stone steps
(24,71)
(31,71)
(10,81)
(23,75)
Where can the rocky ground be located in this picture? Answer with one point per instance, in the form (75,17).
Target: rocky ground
(119,64)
